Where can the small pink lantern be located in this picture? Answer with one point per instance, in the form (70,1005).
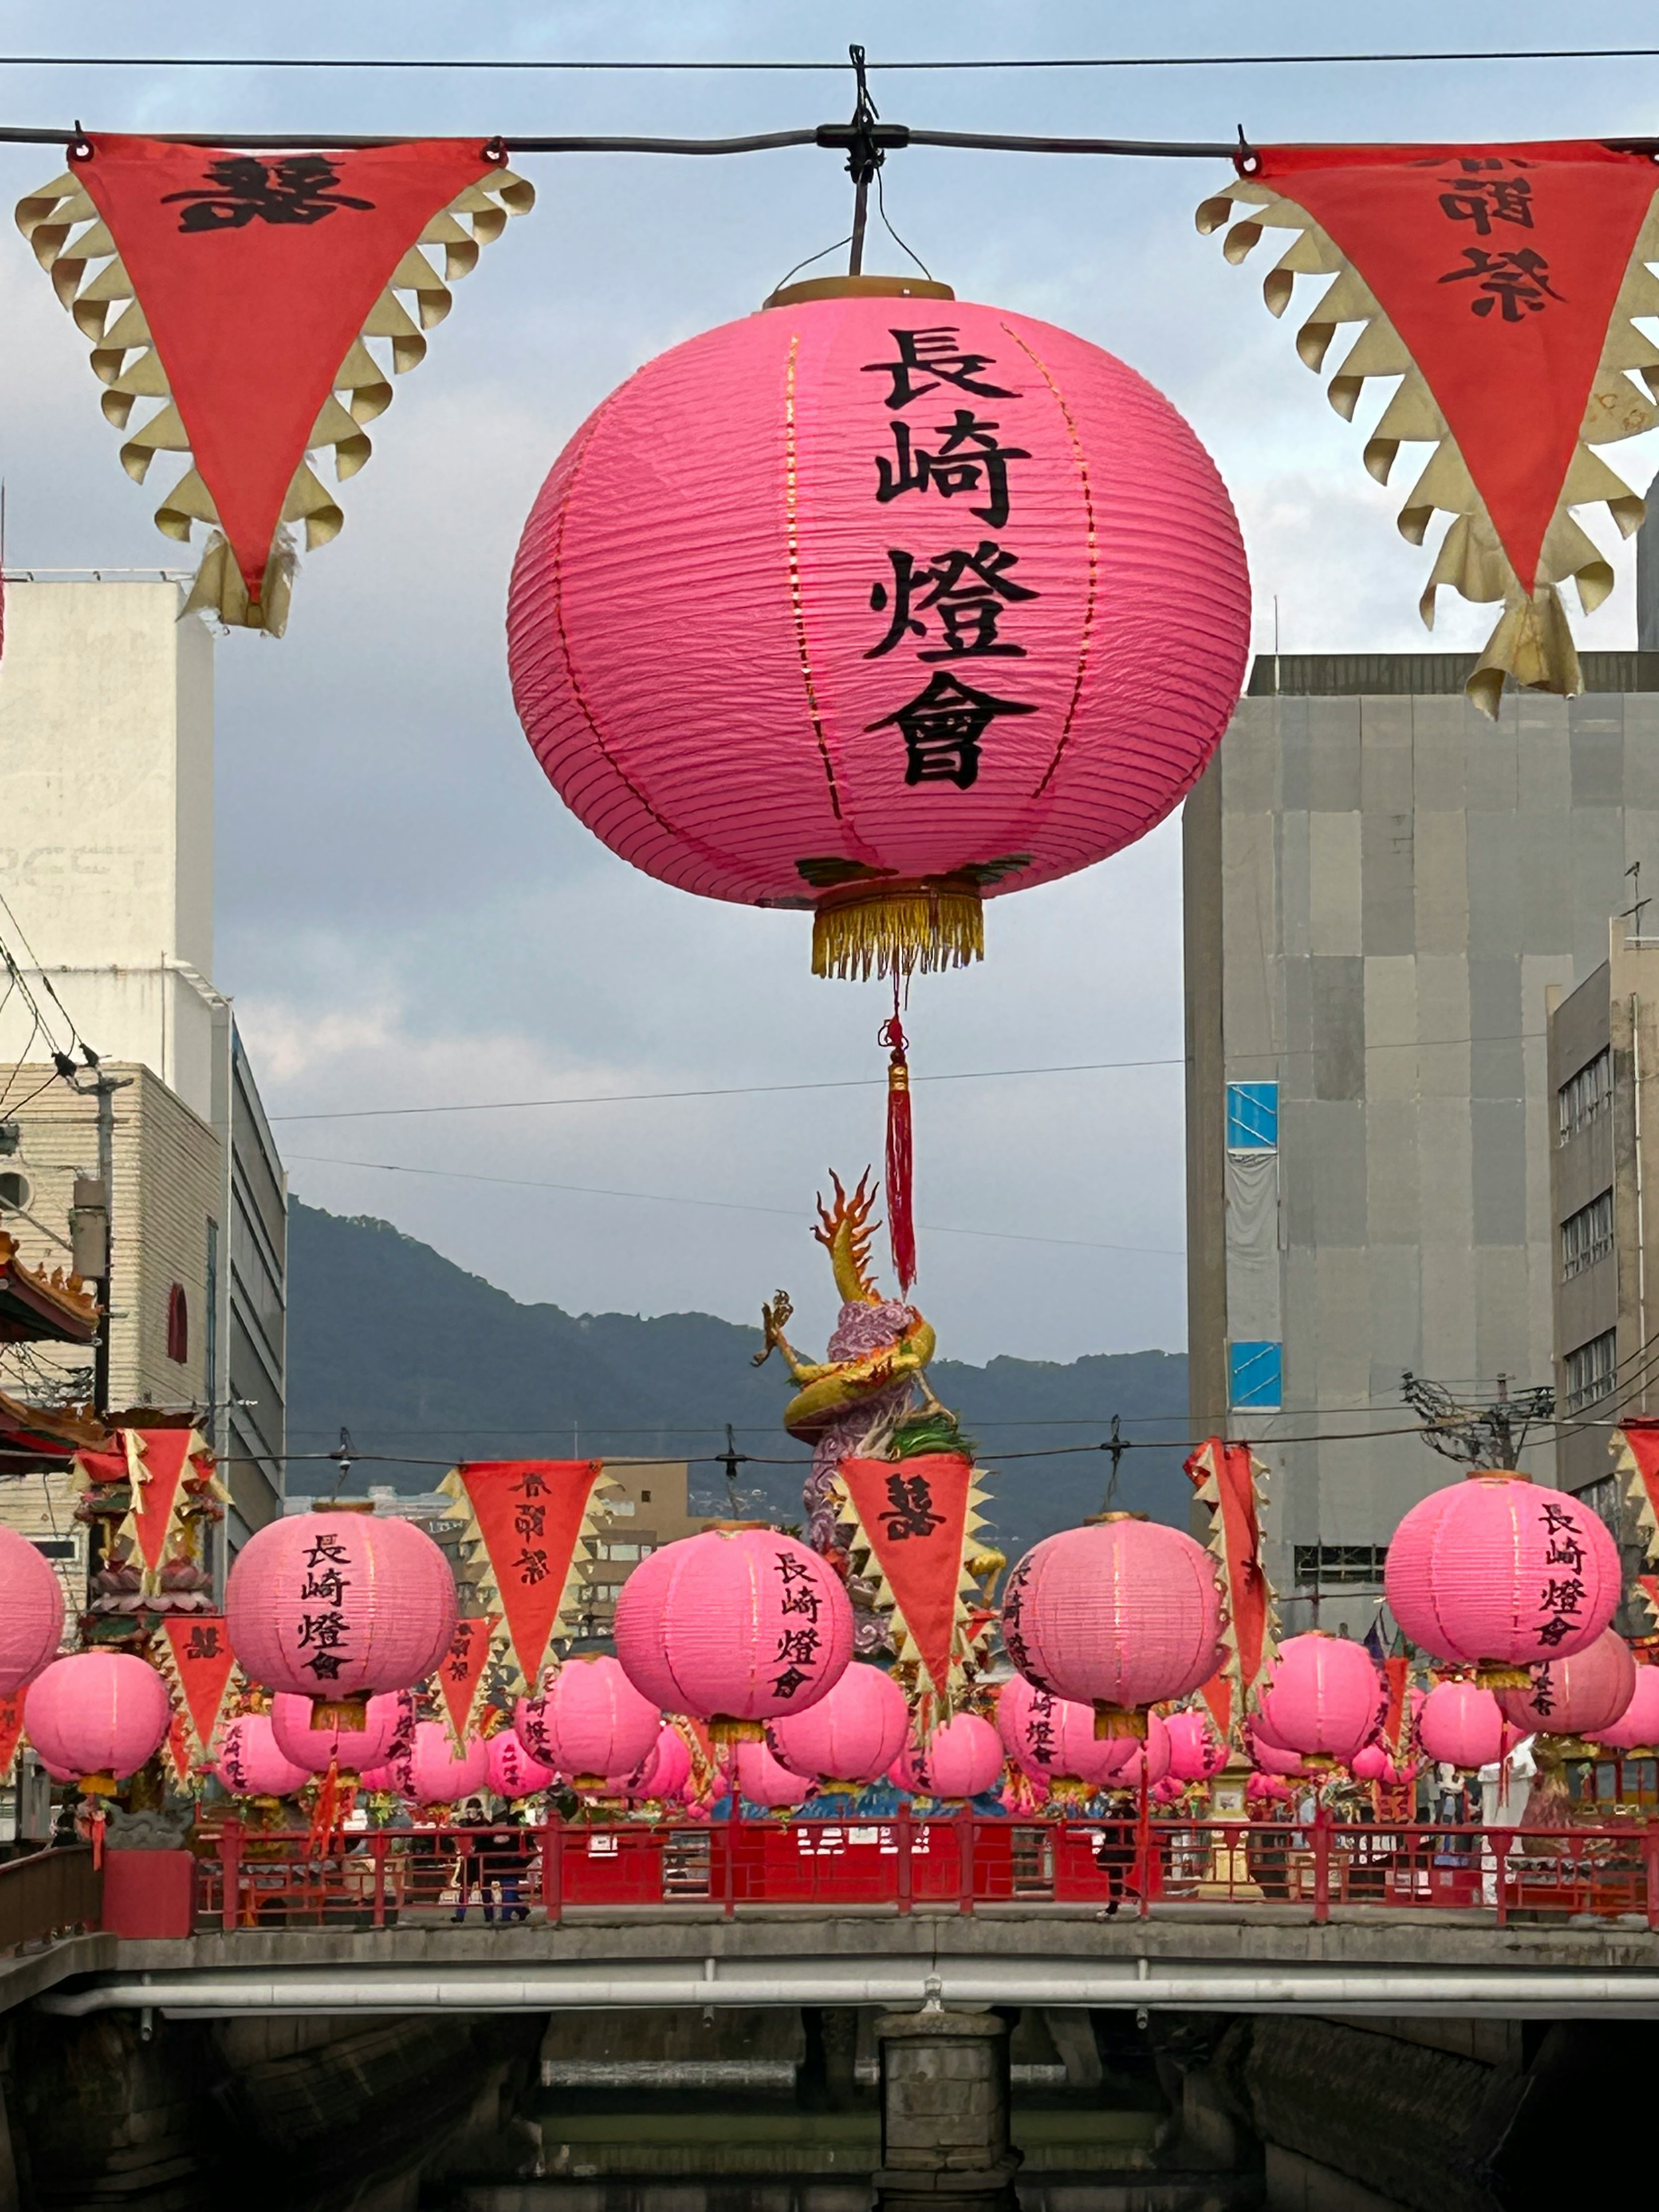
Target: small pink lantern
(1501,1574)
(1261,1790)
(852,1735)
(671,1776)
(1138,1761)
(737,1627)
(1196,1752)
(1371,1763)
(1461,1725)
(1053,1739)
(511,1772)
(433,1774)
(31,1611)
(1169,1791)
(95,1717)
(1120,1615)
(250,1764)
(590,1724)
(1636,1731)
(763,1781)
(1577,1696)
(349,1751)
(1270,1758)
(1322,1698)
(962,1759)
(334,1605)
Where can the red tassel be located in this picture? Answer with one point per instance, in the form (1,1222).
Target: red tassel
(900,1223)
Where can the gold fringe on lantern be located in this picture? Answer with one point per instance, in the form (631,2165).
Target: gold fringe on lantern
(897,928)
(1117,1721)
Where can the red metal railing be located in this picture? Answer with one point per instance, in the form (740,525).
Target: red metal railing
(389,1875)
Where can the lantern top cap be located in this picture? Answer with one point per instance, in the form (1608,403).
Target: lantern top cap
(1104,1520)
(857,287)
(344,1506)
(1497,1475)
(737,1528)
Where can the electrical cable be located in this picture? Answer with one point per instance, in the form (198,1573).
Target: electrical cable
(533,66)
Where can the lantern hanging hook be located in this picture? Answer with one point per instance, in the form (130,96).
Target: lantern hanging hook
(864,157)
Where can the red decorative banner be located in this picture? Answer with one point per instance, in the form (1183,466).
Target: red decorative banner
(527,1519)
(160,1460)
(461,1674)
(194,1653)
(11,1731)
(915,1516)
(254,279)
(1225,1477)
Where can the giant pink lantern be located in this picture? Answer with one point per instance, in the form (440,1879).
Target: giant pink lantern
(1461,1725)
(765,1781)
(589,1724)
(31,1611)
(1052,1739)
(1196,1752)
(334,1605)
(960,1760)
(959,606)
(737,1627)
(348,1750)
(512,1772)
(1499,1573)
(250,1763)
(1637,1729)
(95,1717)
(1577,1696)
(852,1735)
(1324,1698)
(1120,1615)
(433,1772)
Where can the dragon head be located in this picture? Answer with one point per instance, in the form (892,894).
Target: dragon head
(844,1230)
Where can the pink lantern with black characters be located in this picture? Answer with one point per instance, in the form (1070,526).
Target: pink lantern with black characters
(512,1772)
(31,1611)
(348,1750)
(763,1780)
(1196,1751)
(1052,1739)
(96,1717)
(589,1723)
(852,1735)
(1324,1698)
(1577,1696)
(1120,1615)
(1499,1573)
(250,1763)
(434,1773)
(962,1759)
(736,1627)
(1636,1731)
(336,1605)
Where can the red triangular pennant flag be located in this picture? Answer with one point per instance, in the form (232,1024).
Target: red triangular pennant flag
(200,1665)
(254,279)
(460,1673)
(159,1459)
(11,1731)
(528,1515)
(914,1514)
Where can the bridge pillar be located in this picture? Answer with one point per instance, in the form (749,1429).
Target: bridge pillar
(944,2144)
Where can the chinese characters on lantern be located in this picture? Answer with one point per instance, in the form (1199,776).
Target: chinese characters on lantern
(949,604)
(797,1647)
(323,1633)
(1563,1595)
(1515,279)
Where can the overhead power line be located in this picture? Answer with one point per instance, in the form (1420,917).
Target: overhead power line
(536,65)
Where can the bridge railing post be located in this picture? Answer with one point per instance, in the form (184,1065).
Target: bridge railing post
(903,1871)
(230,1875)
(965,1828)
(377,1846)
(1650,1872)
(553,1869)
(728,1868)
(1321,1870)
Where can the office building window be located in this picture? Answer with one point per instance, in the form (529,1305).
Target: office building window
(1252,1117)
(178,1324)
(1255,1376)
(1605,1497)
(1587,1236)
(1591,1371)
(1582,1099)
(1340,1566)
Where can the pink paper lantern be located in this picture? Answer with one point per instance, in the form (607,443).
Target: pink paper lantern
(960,1760)
(1270,1757)
(95,1717)
(333,1605)
(1499,1573)
(1577,1696)
(764,1781)
(853,1734)
(1261,1790)
(735,1627)
(1138,1760)
(1121,1615)
(670,1773)
(1637,1729)
(1196,1752)
(1371,1763)
(861,757)
(433,1774)
(1460,1725)
(31,1611)
(1322,1697)
(349,1750)
(1051,1739)
(1169,1791)
(511,1772)
(250,1764)
(589,1723)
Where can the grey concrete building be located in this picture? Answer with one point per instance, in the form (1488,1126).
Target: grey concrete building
(1381,887)
(1603,1053)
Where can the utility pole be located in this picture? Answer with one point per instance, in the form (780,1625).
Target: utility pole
(92,1216)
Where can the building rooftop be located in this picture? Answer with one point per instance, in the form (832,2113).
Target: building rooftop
(1398,675)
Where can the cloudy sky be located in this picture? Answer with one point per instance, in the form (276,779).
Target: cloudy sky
(407,915)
